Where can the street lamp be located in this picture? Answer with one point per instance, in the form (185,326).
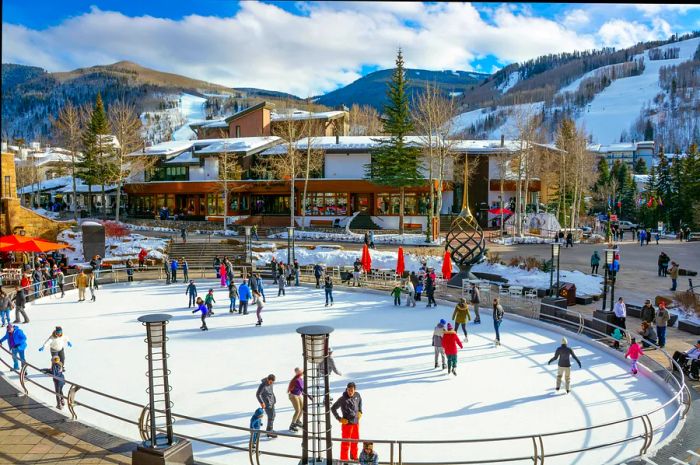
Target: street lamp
(555,254)
(609,255)
(290,245)
(613,278)
(248,244)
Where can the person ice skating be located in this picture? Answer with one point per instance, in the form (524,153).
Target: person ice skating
(648,334)
(256,424)
(185,269)
(5,307)
(498,313)
(648,312)
(16,342)
(209,301)
(280,287)
(142,258)
(174,265)
(92,285)
(222,274)
(81,281)
(475,298)
(20,299)
(266,397)
(216,264)
(617,337)
(318,272)
(191,292)
(96,264)
(243,297)
(693,356)
(61,281)
(327,366)
(350,406)
(662,318)
(295,391)
(368,456)
(410,294)
(419,288)
(450,341)
(396,293)
(261,289)
(204,312)
(634,352)
(595,261)
(356,272)
(437,342)
(662,263)
(273,269)
(56,344)
(461,316)
(259,307)
(328,288)
(620,310)
(564,354)
(232,296)
(673,273)
(295,265)
(430,290)
(253,283)
(56,371)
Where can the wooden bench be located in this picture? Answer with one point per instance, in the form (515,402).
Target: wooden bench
(412,226)
(322,223)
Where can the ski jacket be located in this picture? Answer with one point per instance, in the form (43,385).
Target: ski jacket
(142,254)
(5,303)
(634,352)
(498,312)
(16,339)
(20,298)
(265,394)
(256,419)
(281,283)
(244,292)
(56,343)
(317,270)
(450,341)
(328,283)
(368,459)
(202,308)
(396,292)
(259,283)
(174,265)
(461,314)
(595,259)
(296,386)
(564,353)
(437,335)
(327,366)
(191,289)
(232,291)
(209,299)
(673,272)
(662,317)
(648,313)
(350,407)
(81,280)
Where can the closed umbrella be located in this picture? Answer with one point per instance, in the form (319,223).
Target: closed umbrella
(400,265)
(447,266)
(366,259)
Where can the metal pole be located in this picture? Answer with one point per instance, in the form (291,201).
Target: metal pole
(605,287)
(612,290)
(551,273)
(558,255)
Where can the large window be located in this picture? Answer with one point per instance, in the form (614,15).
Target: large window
(167,173)
(326,204)
(215,204)
(414,204)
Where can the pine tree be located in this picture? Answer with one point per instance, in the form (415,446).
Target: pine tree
(96,165)
(648,131)
(640,166)
(393,162)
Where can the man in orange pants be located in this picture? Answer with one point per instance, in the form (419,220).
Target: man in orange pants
(350,405)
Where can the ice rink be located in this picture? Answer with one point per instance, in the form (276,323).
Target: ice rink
(386,350)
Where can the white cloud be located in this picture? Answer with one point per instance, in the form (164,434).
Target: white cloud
(576,18)
(319,50)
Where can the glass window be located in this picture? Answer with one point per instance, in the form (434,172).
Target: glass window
(390,204)
(215,204)
(326,204)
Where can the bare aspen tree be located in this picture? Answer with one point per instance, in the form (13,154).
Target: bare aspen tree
(229,169)
(364,121)
(527,124)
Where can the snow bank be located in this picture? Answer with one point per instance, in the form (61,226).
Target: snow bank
(46,213)
(116,248)
(523,240)
(585,283)
(403,239)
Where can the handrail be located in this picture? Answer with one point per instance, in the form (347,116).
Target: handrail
(681,396)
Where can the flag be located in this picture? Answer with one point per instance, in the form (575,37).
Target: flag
(619,204)
(650,202)
(661,204)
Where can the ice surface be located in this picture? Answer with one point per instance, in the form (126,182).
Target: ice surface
(384,349)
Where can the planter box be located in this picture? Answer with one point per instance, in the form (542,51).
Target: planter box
(634,310)
(684,272)
(542,293)
(605,316)
(689,326)
(584,299)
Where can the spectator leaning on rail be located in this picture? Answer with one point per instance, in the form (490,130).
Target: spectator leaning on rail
(563,354)
(17,342)
(350,405)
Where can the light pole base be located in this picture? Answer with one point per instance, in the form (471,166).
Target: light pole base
(179,453)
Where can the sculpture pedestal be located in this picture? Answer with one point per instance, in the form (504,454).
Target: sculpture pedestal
(456,280)
(179,453)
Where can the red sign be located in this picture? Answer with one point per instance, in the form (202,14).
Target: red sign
(613,217)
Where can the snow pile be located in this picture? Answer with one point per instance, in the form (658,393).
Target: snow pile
(684,316)
(522,240)
(46,213)
(116,248)
(139,227)
(403,239)
(217,232)
(585,284)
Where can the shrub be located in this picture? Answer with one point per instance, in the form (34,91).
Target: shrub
(515,261)
(688,301)
(115,229)
(493,257)
(546,265)
(532,263)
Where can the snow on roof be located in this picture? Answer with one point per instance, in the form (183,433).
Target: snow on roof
(619,147)
(240,144)
(48,185)
(166,148)
(303,115)
(185,157)
(81,187)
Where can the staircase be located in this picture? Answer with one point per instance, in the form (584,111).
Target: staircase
(201,254)
(446,222)
(363,221)
(267,224)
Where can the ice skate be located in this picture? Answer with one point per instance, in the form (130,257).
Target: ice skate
(454,371)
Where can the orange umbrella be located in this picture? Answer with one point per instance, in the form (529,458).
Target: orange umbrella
(400,265)
(32,245)
(366,259)
(447,266)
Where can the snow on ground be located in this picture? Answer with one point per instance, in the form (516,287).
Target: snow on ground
(618,105)
(46,213)
(116,248)
(192,110)
(405,239)
(585,283)
(512,80)
(574,85)
(386,350)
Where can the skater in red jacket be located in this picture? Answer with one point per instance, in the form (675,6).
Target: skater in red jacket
(450,341)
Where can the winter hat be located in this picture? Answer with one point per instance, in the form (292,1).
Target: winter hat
(449,326)
(259,412)
(443,322)
(9,326)
(564,341)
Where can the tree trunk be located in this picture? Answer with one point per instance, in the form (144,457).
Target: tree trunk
(306,185)
(118,200)
(104,201)
(74,197)
(431,196)
(89,202)
(401,209)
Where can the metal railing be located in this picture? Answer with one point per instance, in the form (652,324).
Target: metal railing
(532,446)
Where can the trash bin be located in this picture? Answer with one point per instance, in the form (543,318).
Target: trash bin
(568,292)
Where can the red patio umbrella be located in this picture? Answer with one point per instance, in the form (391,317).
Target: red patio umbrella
(447,266)
(28,244)
(400,265)
(366,259)
(498,211)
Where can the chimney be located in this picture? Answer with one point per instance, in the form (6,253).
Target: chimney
(503,140)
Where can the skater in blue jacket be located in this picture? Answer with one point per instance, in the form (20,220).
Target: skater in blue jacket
(202,308)
(256,424)
(243,296)
(192,292)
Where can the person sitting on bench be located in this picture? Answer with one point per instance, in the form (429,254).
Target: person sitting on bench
(691,356)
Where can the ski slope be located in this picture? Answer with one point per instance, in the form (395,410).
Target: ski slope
(192,109)
(386,350)
(613,110)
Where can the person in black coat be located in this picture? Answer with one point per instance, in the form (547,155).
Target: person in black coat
(564,354)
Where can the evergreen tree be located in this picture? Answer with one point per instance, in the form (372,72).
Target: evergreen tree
(394,163)
(648,131)
(96,165)
(640,166)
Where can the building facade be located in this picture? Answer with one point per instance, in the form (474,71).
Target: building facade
(625,152)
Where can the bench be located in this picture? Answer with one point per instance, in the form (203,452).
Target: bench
(689,326)
(413,226)
(322,223)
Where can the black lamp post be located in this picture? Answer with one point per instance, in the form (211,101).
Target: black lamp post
(248,244)
(609,254)
(290,245)
(556,247)
(613,277)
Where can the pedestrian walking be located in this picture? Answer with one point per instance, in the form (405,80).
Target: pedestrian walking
(173,269)
(634,352)
(368,456)
(266,397)
(328,288)
(657,237)
(498,313)
(438,332)
(396,293)
(569,240)
(673,273)
(450,341)
(461,316)
(57,343)
(209,301)
(475,299)
(20,301)
(59,380)
(191,292)
(232,296)
(318,273)
(204,312)
(350,406)
(595,261)
(648,237)
(16,342)
(259,308)
(564,354)
(280,287)
(620,310)
(295,391)
(662,318)
(243,297)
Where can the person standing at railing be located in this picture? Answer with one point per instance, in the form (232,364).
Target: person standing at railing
(634,352)
(17,343)
(129,271)
(36,281)
(142,258)
(328,288)
(96,264)
(266,397)
(350,406)
(185,269)
(620,310)
(368,456)
(243,296)
(20,301)
(191,292)
(217,266)
(498,313)
(564,354)
(59,380)
(173,269)
(204,312)
(662,318)
(56,344)
(25,283)
(81,282)
(296,273)
(61,281)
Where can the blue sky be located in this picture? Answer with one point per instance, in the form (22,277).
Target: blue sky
(311,47)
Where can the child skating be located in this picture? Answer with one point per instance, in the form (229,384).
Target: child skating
(209,302)
(259,307)
(256,424)
(450,341)
(202,308)
(634,353)
(396,293)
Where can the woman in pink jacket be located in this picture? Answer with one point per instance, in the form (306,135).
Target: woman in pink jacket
(450,341)
(634,353)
